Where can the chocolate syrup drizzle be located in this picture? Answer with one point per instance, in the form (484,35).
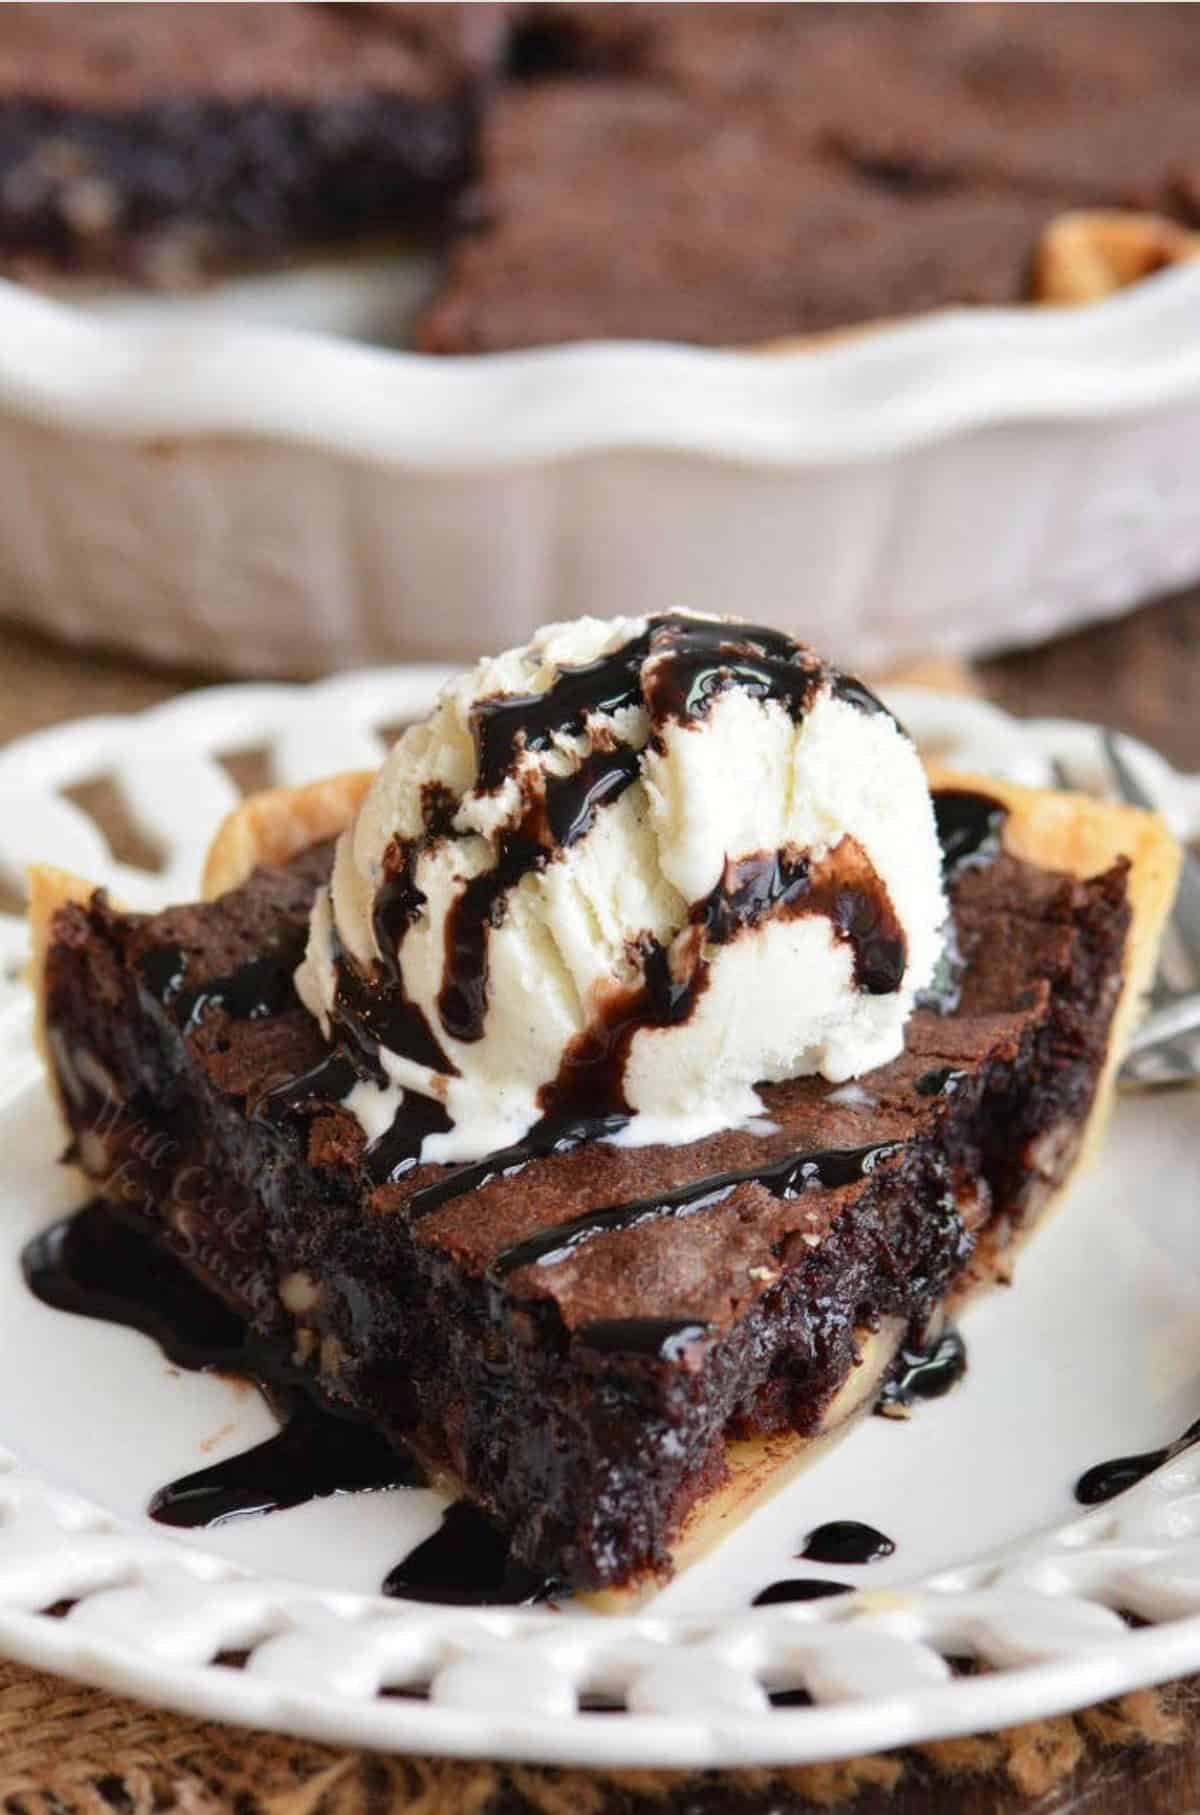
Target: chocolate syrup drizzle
(779,884)
(257,988)
(1108,1479)
(827,1169)
(462,999)
(262,987)
(98,1263)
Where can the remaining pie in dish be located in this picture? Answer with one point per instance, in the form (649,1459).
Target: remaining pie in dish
(723,173)
(611,1348)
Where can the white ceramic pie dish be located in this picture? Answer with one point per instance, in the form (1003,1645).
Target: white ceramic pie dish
(1094,1354)
(959,482)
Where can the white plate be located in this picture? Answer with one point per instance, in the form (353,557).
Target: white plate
(1094,1354)
(346,503)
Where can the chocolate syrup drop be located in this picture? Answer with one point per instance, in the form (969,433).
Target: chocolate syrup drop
(466,1563)
(316,1454)
(970,827)
(847,891)
(1106,1480)
(933,1083)
(846,1541)
(96,1263)
(799,1588)
(923,1373)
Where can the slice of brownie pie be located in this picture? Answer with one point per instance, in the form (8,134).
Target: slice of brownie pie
(605,1288)
(164,143)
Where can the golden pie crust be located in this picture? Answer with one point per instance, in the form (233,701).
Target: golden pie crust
(1068,832)
(1087,255)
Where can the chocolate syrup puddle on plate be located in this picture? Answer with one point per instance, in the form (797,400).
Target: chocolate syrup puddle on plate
(315,1454)
(466,1563)
(1108,1479)
(846,1541)
(97,1264)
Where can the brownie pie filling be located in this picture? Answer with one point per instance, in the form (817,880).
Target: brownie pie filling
(572,1331)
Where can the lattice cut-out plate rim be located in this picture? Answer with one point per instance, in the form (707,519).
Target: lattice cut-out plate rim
(151,1616)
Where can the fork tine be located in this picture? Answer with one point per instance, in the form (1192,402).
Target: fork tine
(1185,918)
(1128,786)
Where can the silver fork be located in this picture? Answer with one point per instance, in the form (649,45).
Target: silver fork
(1166,1047)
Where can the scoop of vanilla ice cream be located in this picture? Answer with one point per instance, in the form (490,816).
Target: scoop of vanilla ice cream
(632,871)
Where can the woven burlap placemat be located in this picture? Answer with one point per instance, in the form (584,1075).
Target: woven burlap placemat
(64,1749)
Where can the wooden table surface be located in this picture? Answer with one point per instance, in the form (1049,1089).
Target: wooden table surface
(65,1749)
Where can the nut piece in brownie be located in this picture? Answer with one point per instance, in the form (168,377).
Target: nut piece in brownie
(579,1339)
(156,139)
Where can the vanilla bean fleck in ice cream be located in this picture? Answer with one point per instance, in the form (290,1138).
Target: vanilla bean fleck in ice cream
(619,878)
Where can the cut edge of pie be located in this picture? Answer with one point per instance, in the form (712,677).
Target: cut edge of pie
(1071,833)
